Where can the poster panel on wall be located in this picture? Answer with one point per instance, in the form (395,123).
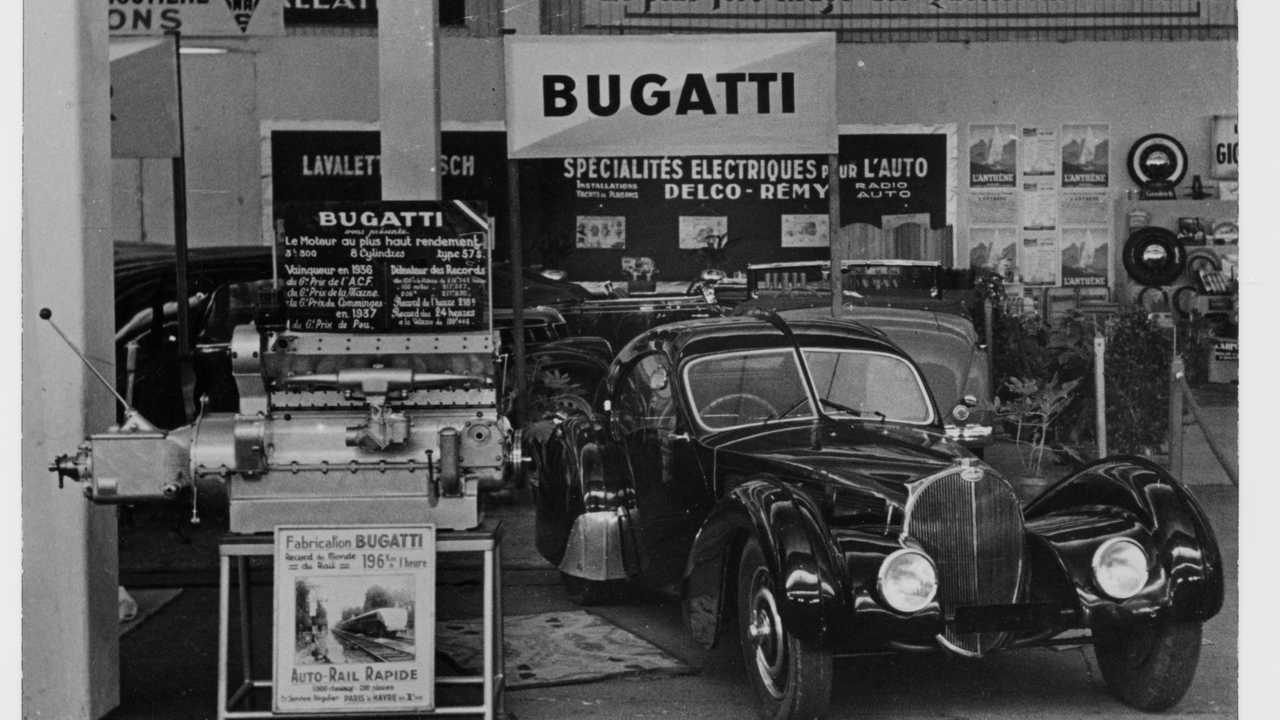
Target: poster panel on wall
(993,207)
(1039,205)
(993,156)
(602,232)
(354,619)
(383,267)
(994,250)
(1086,155)
(1038,151)
(1085,207)
(1038,259)
(203,18)
(1086,257)
(670,95)
(702,231)
(144,98)
(806,230)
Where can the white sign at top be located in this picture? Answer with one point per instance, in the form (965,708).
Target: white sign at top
(196,18)
(594,96)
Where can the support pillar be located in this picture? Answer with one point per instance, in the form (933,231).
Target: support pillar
(409,99)
(70,647)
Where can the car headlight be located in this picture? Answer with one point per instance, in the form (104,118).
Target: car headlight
(960,412)
(1120,568)
(908,581)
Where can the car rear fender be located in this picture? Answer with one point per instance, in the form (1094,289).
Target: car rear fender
(1134,497)
(579,471)
(788,527)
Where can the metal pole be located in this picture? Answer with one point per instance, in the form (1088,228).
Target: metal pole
(1100,390)
(1176,372)
(180,218)
(517,291)
(988,324)
(833,234)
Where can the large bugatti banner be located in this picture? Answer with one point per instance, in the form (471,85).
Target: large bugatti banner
(769,94)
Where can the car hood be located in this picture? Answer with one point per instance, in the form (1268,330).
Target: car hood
(867,456)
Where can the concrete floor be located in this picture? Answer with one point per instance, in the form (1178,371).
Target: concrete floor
(168,664)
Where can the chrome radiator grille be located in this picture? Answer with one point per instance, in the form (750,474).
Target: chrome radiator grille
(973,530)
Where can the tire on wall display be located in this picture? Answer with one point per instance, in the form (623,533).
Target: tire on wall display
(1154,256)
(1157,161)
(1152,299)
(1184,300)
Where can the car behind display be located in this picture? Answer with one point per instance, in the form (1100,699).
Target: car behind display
(797,479)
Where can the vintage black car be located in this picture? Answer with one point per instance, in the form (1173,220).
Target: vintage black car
(795,481)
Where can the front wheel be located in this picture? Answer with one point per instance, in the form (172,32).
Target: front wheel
(791,676)
(1149,668)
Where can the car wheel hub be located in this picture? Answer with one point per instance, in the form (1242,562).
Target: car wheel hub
(766,632)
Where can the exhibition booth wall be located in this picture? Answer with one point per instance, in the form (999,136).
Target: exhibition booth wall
(1125,89)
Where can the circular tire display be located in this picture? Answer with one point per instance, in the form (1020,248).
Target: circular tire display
(1184,300)
(1152,299)
(1157,161)
(1154,256)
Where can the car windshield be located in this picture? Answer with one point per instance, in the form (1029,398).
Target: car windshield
(736,389)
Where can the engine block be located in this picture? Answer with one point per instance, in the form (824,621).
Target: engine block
(358,429)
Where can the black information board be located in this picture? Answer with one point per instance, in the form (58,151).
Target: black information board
(343,165)
(385,267)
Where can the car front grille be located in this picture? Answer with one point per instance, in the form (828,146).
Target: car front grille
(973,530)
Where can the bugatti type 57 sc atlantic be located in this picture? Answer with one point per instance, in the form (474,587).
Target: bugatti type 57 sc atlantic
(794,482)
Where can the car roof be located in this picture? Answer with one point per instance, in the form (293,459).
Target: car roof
(696,337)
(898,318)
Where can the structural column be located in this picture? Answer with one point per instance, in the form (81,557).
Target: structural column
(408,99)
(70,649)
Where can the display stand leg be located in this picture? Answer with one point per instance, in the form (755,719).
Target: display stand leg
(246,627)
(224,599)
(500,670)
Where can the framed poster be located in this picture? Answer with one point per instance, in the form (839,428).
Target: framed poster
(354,620)
(806,230)
(1086,155)
(1086,257)
(601,232)
(700,231)
(993,156)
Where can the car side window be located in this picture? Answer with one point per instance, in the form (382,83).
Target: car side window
(643,400)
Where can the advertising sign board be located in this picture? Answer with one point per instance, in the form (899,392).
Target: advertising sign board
(195,18)
(354,619)
(1225,163)
(331,12)
(670,95)
(318,161)
(384,267)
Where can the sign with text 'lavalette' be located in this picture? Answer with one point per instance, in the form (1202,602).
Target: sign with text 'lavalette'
(589,96)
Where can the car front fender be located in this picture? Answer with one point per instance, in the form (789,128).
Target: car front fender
(789,529)
(1136,498)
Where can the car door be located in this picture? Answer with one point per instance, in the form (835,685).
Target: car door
(672,494)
